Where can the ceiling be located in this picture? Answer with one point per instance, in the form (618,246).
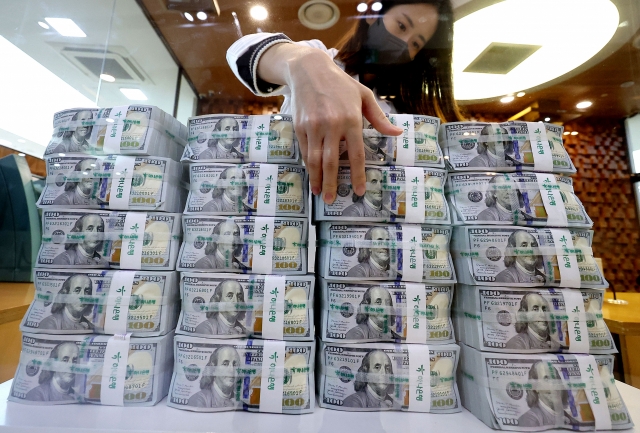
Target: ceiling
(200,48)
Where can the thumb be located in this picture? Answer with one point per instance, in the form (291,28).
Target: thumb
(374,114)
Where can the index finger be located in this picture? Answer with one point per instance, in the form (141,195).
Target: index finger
(355,151)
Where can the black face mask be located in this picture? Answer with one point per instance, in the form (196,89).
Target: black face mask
(383,48)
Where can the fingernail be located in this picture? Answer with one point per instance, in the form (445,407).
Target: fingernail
(360,190)
(328,197)
(315,190)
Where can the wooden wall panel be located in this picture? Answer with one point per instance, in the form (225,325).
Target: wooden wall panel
(36,165)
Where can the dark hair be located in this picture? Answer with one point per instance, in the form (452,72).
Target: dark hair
(207,379)
(46,375)
(69,186)
(358,198)
(364,253)
(510,260)
(68,134)
(532,395)
(214,141)
(489,131)
(77,228)
(58,306)
(217,295)
(424,85)
(361,380)
(366,300)
(218,190)
(523,325)
(212,246)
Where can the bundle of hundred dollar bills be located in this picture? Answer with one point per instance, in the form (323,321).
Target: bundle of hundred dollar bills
(505,147)
(122,130)
(534,392)
(271,307)
(407,194)
(531,320)
(142,303)
(407,252)
(234,138)
(257,245)
(103,239)
(416,146)
(249,375)
(386,311)
(117,370)
(526,199)
(385,376)
(113,182)
(525,256)
(248,189)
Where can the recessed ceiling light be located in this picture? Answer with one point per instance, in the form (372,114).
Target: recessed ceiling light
(21,154)
(587,26)
(584,104)
(623,24)
(20,140)
(258,13)
(201,16)
(43,25)
(66,27)
(376,6)
(507,99)
(188,16)
(520,94)
(547,119)
(362,7)
(566,133)
(318,14)
(574,132)
(107,77)
(134,94)
(627,84)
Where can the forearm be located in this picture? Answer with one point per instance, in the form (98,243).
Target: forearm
(279,62)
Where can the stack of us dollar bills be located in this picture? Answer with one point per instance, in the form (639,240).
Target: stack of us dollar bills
(212,375)
(236,306)
(406,194)
(237,138)
(73,301)
(523,198)
(505,147)
(532,320)
(116,182)
(384,376)
(143,130)
(525,257)
(540,391)
(117,370)
(248,189)
(100,239)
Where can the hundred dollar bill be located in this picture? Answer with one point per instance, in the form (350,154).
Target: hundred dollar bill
(103,302)
(532,320)
(408,194)
(534,392)
(386,311)
(113,182)
(251,375)
(385,376)
(406,252)
(527,199)
(256,245)
(103,239)
(416,146)
(525,256)
(505,147)
(248,189)
(234,306)
(130,130)
(239,138)
(115,370)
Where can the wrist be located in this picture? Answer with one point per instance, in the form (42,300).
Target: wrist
(302,60)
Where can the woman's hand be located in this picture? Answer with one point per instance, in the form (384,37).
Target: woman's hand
(328,106)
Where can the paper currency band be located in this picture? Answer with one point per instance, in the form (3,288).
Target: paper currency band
(561,316)
(243,306)
(363,243)
(429,312)
(392,379)
(515,252)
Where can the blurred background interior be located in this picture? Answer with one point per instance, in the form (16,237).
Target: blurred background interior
(571,62)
